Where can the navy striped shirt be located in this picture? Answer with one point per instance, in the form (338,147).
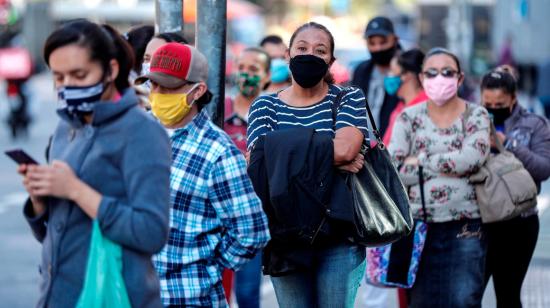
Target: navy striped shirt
(269,113)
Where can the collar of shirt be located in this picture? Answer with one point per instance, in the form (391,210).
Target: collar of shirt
(194,127)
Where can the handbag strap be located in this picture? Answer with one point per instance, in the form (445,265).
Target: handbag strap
(336,106)
(422,198)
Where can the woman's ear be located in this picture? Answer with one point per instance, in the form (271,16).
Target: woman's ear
(331,61)
(461,79)
(114,70)
(287,55)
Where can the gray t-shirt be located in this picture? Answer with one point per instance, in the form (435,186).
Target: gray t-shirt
(375,97)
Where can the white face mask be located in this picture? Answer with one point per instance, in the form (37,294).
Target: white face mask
(145,68)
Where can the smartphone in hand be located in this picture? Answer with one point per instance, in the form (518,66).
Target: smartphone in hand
(21,157)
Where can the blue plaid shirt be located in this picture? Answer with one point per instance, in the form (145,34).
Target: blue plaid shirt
(216,219)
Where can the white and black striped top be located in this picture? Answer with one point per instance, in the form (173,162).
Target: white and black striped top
(269,113)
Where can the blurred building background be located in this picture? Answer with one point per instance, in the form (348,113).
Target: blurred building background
(482,32)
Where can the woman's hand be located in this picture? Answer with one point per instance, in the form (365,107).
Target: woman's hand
(57,180)
(355,165)
(501,137)
(38,204)
(247,157)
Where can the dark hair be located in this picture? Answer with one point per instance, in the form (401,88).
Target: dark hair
(442,51)
(508,69)
(103,43)
(138,37)
(271,39)
(267,58)
(204,100)
(411,61)
(170,37)
(501,80)
(328,78)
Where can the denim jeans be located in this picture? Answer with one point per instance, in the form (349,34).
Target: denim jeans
(247,283)
(332,282)
(452,266)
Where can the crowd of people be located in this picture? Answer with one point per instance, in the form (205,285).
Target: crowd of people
(190,203)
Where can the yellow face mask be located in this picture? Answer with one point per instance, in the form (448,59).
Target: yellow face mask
(170,109)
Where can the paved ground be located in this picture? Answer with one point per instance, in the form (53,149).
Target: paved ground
(19,252)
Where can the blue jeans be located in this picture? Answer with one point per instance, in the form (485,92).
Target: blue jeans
(452,266)
(332,282)
(247,283)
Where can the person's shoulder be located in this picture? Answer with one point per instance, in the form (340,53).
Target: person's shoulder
(349,91)
(533,119)
(414,109)
(265,100)
(363,66)
(476,110)
(264,104)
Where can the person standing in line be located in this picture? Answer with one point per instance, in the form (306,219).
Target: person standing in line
(138,37)
(318,271)
(253,75)
(527,136)
(403,80)
(280,73)
(98,170)
(216,221)
(449,147)
(382,44)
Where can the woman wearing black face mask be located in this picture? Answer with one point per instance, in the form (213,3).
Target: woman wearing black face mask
(110,169)
(527,136)
(327,271)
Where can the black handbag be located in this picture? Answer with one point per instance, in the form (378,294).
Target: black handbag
(380,202)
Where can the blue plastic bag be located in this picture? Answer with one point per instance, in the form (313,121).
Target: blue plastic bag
(103,285)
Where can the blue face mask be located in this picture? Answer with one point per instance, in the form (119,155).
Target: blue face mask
(279,71)
(78,101)
(392,84)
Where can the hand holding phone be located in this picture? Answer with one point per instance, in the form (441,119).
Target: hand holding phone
(21,157)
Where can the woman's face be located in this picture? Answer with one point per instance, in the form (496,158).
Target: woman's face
(152,46)
(71,66)
(312,41)
(440,64)
(395,69)
(497,99)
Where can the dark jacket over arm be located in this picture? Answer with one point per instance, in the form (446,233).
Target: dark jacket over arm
(293,174)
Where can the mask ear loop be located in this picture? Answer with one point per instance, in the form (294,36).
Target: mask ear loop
(189,93)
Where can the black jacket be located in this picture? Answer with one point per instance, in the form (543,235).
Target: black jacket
(361,79)
(306,202)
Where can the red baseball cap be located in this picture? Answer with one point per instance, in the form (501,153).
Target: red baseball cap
(175,64)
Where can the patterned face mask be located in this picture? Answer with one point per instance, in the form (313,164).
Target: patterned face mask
(249,85)
(77,101)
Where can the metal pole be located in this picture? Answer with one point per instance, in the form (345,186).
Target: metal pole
(169,15)
(210,40)
(37,26)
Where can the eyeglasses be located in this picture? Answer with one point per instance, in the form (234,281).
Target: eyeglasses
(446,72)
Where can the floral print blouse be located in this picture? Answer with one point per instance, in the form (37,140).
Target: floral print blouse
(448,157)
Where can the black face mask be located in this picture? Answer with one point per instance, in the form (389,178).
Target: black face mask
(499,115)
(383,57)
(308,70)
